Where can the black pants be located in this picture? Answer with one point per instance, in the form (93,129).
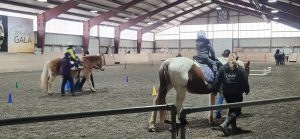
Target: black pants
(232,97)
(65,79)
(83,81)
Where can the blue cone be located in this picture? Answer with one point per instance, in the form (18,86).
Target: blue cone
(68,86)
(9,98)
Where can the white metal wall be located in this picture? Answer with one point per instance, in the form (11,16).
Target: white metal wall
(56,42)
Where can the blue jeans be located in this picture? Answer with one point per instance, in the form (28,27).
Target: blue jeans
(65,79)
(220,100)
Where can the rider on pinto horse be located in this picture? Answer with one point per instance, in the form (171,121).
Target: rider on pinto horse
(205,52)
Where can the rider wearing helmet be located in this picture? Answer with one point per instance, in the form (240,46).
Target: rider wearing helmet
(205,52)
(73,56)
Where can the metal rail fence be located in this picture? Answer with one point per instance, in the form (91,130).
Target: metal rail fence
(56,117)
(186,111)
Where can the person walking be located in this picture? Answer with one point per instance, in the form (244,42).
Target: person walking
(234,83)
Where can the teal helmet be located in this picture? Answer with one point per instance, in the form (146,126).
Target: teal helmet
(201,35)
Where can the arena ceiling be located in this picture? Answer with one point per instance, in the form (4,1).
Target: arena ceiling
(162,16)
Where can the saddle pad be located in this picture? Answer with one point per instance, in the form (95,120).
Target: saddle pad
(208,74)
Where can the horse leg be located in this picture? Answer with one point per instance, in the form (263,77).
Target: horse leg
(153,118)
(212,101)
(88,79)
(181,92)
(51,79)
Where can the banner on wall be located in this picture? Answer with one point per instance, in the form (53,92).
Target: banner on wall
(20,36)
(3,33)
(16,34)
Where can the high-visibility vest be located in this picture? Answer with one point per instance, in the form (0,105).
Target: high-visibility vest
(71,51)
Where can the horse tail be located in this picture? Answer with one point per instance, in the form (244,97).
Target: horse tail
(44,77)
(163,87)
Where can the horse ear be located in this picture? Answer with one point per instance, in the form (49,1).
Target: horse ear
(247,64)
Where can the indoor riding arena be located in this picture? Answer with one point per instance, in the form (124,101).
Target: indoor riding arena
(127,47)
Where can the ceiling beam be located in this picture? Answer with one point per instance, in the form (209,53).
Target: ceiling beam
(198,16)
(257,14)
(258,7)
(59,9)
(133,22)
(266,10)
(295,1)
(284,7)
(159,23)
(105,16)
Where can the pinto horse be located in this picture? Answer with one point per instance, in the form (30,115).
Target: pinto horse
(185,75)
(52,67)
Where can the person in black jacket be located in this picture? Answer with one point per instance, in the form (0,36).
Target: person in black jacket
(234,83)
(66,73)
(85,53)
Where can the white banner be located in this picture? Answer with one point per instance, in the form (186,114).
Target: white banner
(20,35)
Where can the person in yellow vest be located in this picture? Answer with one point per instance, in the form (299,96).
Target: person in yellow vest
(73,56)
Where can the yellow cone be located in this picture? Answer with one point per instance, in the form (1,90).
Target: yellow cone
(153,91)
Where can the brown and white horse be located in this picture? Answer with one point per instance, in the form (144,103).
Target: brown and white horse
(185,75)
(52,67)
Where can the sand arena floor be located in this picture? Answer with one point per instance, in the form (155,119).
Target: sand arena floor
(280,120)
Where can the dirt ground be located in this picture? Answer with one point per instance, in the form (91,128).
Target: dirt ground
(279,120)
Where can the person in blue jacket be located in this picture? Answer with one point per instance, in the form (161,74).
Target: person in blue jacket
(66,73)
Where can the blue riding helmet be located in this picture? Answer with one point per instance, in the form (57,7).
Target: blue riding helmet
(67,55)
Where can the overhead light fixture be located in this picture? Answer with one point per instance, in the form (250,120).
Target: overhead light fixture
(272,1)
(42,0)
(218,8)
(93,11)
(149,23)
(207,1)
(274,11)
(127,18)
(275,18)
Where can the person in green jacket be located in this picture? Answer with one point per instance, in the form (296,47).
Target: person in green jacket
(73,56)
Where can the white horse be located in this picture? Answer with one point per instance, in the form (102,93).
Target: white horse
(185,75)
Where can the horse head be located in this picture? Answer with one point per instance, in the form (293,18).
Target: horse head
(100,62)
(94,61)
(247,68)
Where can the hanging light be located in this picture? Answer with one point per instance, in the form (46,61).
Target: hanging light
(218,8)
(207,1)
(272,1)
(274,11)
(93,11)
(42,0)
(149,23)
(275,18)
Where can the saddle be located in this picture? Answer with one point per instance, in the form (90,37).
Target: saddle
(208,73)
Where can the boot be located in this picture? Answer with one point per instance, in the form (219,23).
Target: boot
(225,124)
(234,128)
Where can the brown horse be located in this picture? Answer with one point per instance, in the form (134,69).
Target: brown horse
(185,75)
(52,67)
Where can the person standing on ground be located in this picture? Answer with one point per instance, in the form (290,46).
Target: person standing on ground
(234,83)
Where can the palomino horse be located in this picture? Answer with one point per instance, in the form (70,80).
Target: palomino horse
(52,67)
(185,75)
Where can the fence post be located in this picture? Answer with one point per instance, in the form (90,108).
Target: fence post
(173,121)
(182,127)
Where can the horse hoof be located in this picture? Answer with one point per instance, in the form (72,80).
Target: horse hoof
(151,130)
